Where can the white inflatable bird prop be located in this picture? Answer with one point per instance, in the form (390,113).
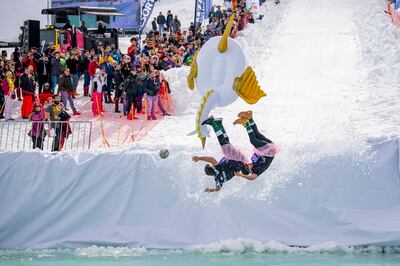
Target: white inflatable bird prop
(220,74)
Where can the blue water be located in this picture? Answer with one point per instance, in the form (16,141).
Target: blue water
(178,258)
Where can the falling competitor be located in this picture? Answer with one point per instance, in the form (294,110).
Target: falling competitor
(233,162)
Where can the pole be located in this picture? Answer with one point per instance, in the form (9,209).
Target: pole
(48,17)
(195,15)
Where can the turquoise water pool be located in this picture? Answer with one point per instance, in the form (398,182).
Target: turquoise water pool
(103,257)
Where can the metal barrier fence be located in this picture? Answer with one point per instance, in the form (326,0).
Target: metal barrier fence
(57,136)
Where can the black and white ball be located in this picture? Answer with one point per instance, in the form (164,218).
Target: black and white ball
(164,153)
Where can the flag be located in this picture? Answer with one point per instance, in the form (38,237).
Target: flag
(199,12)
(147,9)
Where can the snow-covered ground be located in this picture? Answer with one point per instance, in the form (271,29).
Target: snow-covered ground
(330,72)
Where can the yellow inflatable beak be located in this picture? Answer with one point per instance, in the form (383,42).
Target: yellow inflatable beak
(223,43)
(247,87)
(203,142)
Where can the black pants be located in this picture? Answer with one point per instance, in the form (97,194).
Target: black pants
(256,138)
(57,138)
(131,100)
(2,103)
(139,103)
(37,142)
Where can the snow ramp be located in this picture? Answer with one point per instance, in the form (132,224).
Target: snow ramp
(134,198)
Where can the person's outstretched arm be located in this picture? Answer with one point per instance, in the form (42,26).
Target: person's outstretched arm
(212,189)
(248,177)
(207,159)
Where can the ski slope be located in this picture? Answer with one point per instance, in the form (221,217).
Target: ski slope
(329,74)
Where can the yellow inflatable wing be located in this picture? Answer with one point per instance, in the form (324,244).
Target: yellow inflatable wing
(193,72)
(247,87)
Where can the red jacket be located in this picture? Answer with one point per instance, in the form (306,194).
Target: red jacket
(44,97)
(29,62)
(92,68)
(164,88)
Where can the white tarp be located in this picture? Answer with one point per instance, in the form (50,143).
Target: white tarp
(134,198)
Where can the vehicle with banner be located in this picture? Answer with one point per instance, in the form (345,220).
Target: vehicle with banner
(130,10)
(76,36)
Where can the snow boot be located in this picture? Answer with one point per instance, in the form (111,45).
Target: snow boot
(216,124)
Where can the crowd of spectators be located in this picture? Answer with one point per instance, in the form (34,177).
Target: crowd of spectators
(47,82)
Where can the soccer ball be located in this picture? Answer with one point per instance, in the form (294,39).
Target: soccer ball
(163,153)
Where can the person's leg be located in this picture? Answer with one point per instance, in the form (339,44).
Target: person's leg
(8,106)
(57,139)
(34,142)
(41,82)
(116,104)
(218,128)
(53,82)
(64,98)
(256,132)
(256,142)
(139,104)
(86,83)
(160,105)
(74,81)
(125,105)
(129,103)
(40,142)
(153,106)
(149,102)
(247,117)
(71,103)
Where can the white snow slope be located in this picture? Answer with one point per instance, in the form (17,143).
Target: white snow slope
(332,106)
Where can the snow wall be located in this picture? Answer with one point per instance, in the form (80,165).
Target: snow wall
(133,198)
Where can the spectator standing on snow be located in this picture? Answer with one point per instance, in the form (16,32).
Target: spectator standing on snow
(175,25)
(56,70)
(67,90)
(170,17)
(118,87)
(28,86)
(131,89)
(154,24)
(44,71)
(161,22)
(37,132)
(152,88)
